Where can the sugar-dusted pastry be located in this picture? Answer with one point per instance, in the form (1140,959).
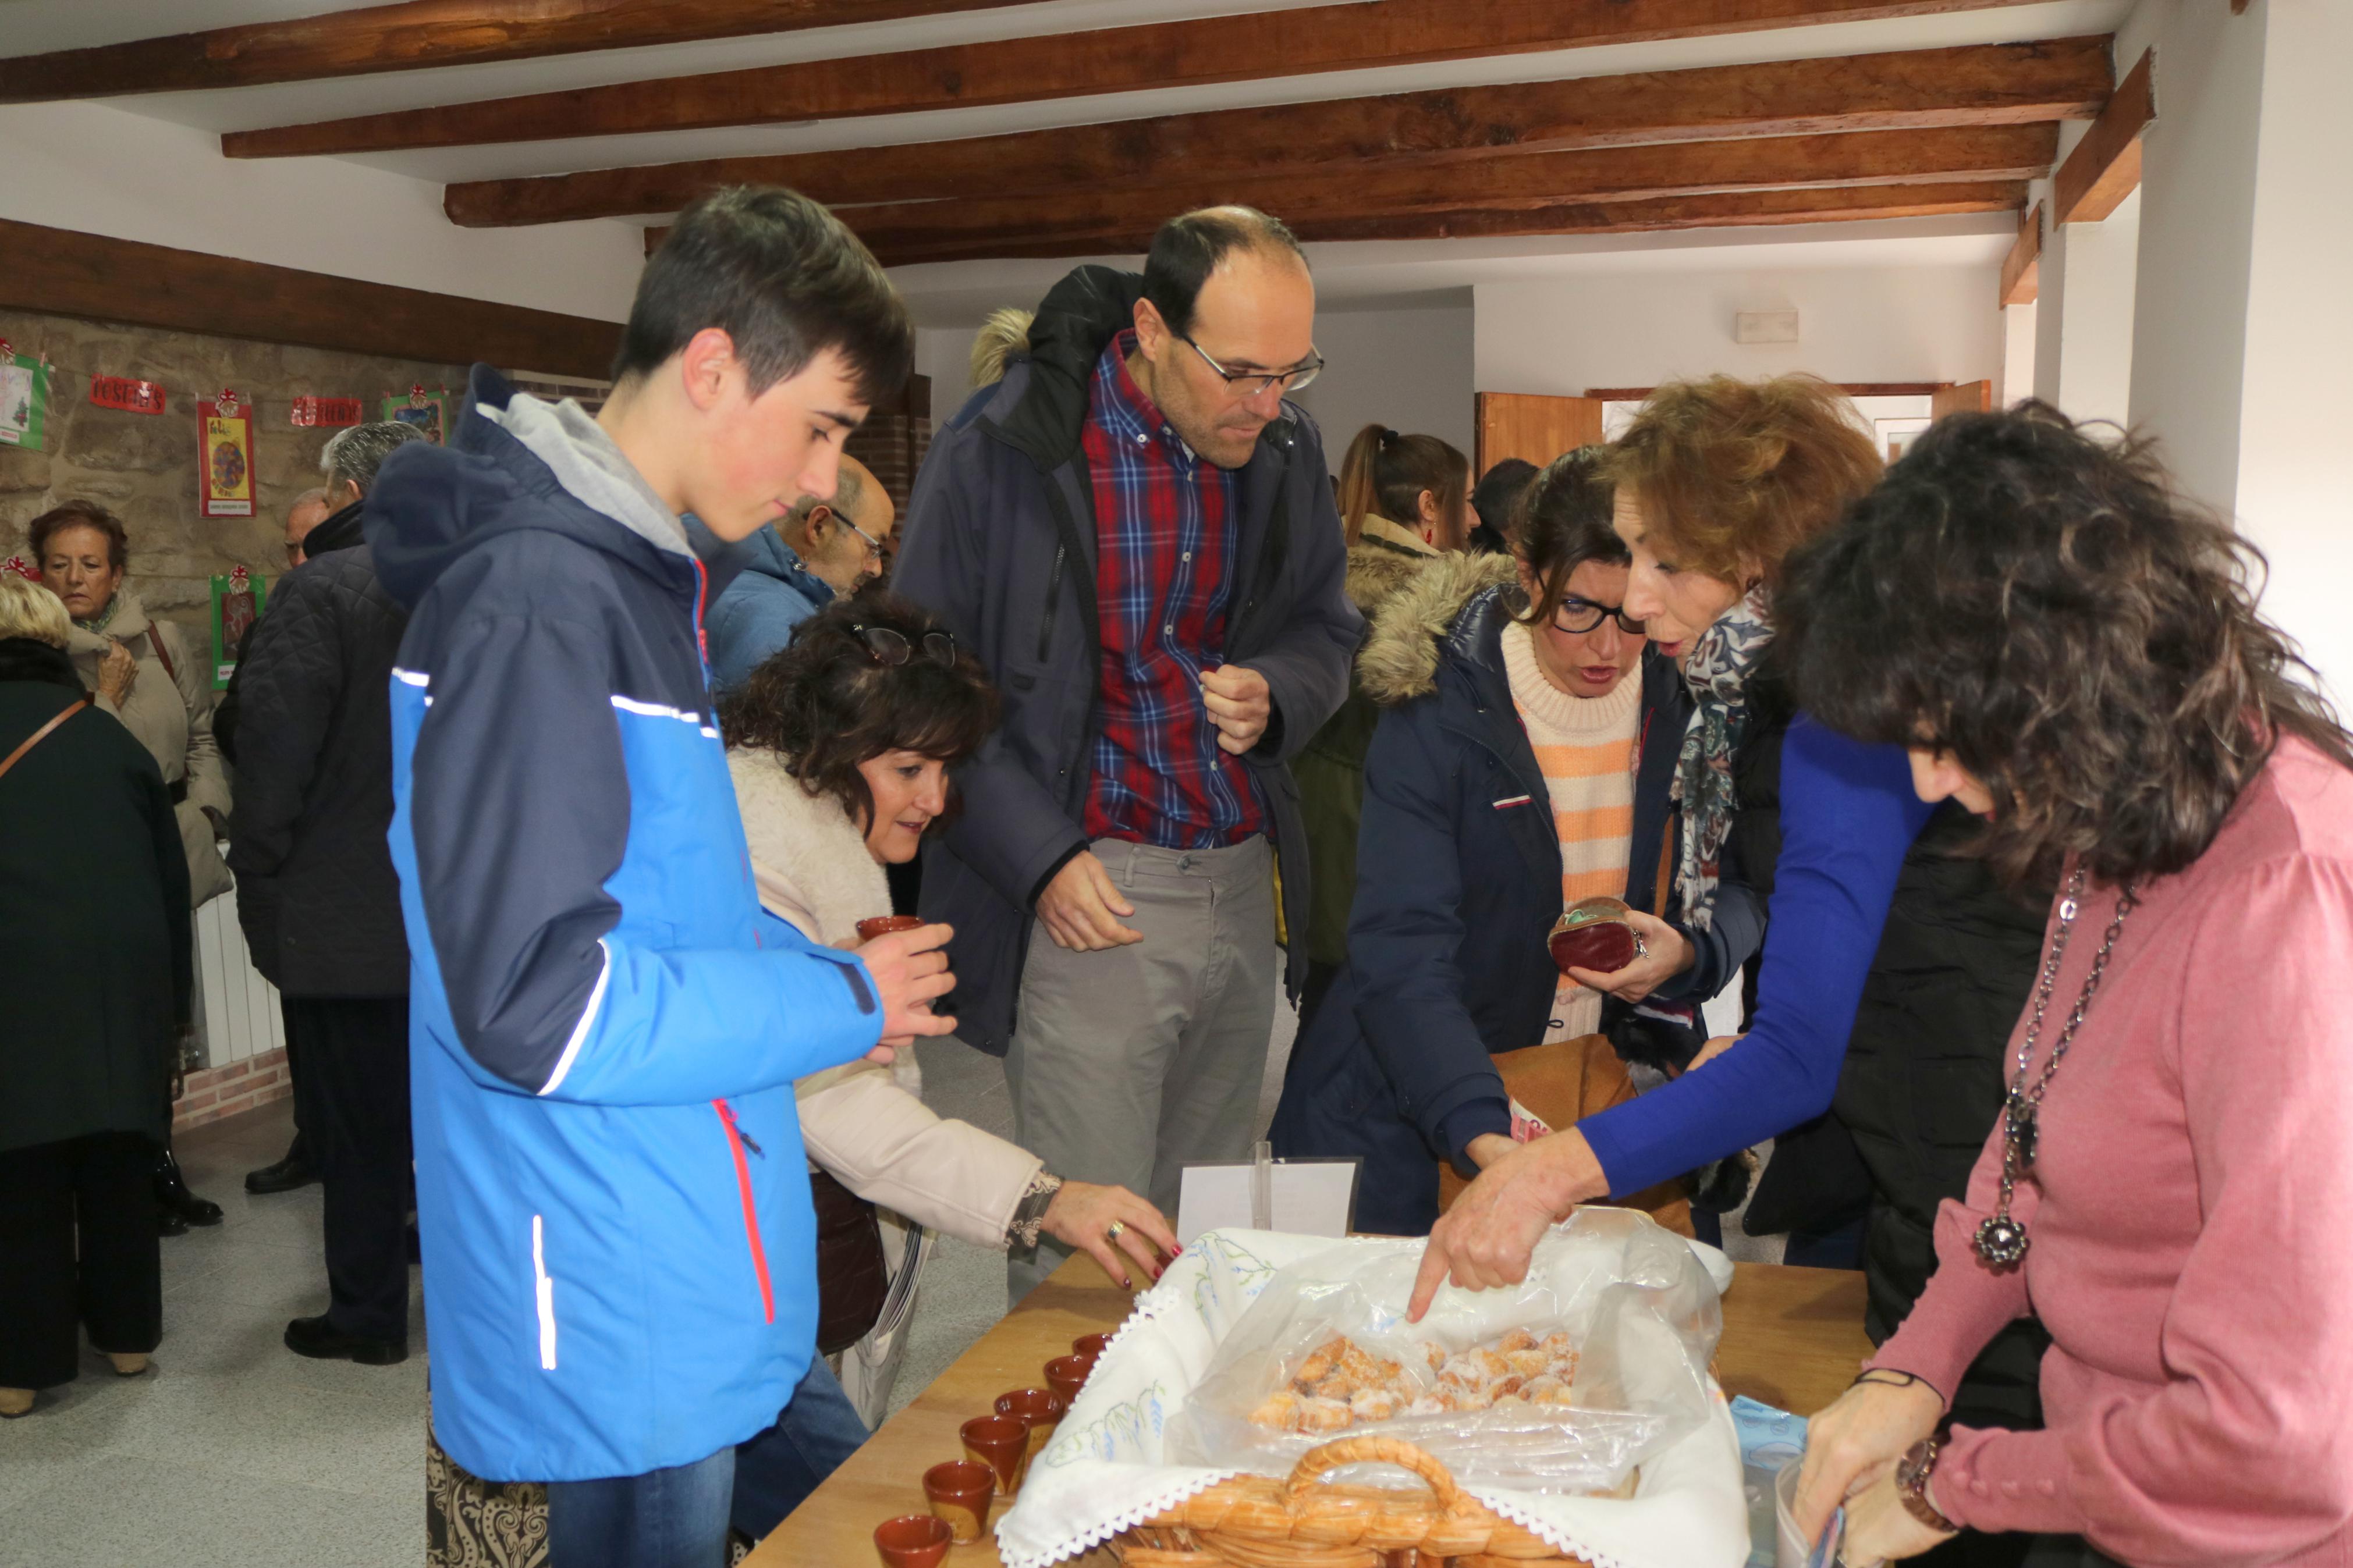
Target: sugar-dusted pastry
(1280,1411)
(1326,1356)
(1517,1340)
(1529,1362)
(1324,1416)
(1375,1405)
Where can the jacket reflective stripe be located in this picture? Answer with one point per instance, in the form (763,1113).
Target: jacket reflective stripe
(544,1295)
(659,711)
(587,1021)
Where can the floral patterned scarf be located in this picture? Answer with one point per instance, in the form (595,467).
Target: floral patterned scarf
(1717,670)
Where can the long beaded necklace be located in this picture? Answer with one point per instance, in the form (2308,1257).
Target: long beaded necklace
(2001,1240)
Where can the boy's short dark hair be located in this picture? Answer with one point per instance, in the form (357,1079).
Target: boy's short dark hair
(1188,248)
(782,277)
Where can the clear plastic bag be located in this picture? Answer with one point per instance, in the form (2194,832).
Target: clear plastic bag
(1631,1298)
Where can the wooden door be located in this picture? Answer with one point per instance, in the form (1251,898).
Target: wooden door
(1968,397)
(1535,427)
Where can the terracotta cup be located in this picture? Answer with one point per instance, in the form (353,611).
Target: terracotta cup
(1067,1374)
(1000,1442)
(912,1541)
(1091,1346)
(958,1493)
(875,925)
(1593,933)
(1040,1408)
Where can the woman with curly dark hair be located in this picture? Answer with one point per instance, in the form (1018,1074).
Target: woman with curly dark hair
(840,747)
(2071,649)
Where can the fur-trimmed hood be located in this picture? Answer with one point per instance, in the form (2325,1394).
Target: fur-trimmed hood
(1376,573)
(1421,620)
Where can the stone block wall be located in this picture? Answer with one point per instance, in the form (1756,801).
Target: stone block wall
(142,466)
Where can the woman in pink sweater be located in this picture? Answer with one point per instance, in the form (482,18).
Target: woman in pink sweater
(2071,649)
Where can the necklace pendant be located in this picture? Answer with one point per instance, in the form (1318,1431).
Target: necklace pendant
(2000,1241)
(2021,1129)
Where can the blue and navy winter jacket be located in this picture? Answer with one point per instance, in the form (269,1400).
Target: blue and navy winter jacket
(755,616)
(619,1271)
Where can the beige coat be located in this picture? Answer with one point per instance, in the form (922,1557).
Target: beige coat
(171,714)
(813,868)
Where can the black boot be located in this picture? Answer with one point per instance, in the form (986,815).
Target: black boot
(172,1195)
(322,1341)
(294,1170)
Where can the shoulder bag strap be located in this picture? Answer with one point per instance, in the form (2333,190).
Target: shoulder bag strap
(156,643)
(37,736)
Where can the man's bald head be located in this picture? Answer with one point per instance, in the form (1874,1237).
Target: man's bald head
(842,537)
(309,511)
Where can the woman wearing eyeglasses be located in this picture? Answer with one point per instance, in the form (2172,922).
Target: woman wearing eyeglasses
(840,747)
(1521,763)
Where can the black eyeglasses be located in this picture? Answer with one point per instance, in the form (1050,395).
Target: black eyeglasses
(1581,616)
(891,647)
(1252,382)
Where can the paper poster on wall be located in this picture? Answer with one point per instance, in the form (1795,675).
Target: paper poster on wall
(126,392)
(226,456)
(237,605)
(17,567)
(326,413)
(24,399)
(424,409)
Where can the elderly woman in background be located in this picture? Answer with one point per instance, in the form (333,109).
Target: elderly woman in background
(2071,650)
(144,672)
(93,897)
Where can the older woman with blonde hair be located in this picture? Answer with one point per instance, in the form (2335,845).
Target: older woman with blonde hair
(93,900)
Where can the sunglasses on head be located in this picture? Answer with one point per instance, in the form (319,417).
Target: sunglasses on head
(889,646)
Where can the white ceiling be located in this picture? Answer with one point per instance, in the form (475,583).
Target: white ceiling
(943,292)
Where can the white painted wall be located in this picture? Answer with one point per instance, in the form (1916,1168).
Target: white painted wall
(1407,366)
(1909,323)
(103,170)
(2017,384)
(1410,369)
(2085,359)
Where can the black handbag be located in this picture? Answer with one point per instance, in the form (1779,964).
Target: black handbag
(851,1277)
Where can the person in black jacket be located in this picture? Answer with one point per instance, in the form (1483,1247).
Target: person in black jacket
(319,904)
(1471,849)
(93,915)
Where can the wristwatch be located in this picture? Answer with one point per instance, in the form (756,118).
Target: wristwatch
(1912,1472)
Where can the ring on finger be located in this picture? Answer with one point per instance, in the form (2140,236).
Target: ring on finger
(1118,1228)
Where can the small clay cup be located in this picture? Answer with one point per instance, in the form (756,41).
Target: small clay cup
(1594,933)
(958,1493)
(1066,1374)
(1091,1346)
(912,1541)
(1000,1442)
(1040,1408)
(876,925)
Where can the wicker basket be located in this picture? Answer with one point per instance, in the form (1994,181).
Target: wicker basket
(1255,1521)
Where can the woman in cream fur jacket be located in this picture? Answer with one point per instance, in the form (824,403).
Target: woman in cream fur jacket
(839,747)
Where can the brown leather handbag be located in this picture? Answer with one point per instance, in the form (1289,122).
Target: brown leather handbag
(851,1278)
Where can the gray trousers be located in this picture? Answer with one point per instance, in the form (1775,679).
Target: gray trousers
(1128,1064)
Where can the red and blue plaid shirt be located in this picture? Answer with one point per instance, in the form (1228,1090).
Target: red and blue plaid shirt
(1166,520)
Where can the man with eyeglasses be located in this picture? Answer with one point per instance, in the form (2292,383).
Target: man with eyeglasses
(1134,532)
(825,546)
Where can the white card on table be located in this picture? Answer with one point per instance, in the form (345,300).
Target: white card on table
(1309,1198)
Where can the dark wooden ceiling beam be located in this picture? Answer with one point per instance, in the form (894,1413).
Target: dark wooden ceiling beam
(418,35)
(1918,88)
(2022,270)
(1738,209)
(2104,167)
(1254,45)
(74,274)
(1517,180)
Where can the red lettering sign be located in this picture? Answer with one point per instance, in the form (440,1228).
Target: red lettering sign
(129,395)
(326,413)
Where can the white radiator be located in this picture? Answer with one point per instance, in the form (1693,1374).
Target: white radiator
(237,1009)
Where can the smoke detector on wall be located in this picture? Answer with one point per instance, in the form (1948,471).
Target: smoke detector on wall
(1765,327)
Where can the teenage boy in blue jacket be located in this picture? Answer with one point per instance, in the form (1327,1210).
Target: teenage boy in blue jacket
(619,1273)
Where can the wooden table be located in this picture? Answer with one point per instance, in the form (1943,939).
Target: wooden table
(1792,1338)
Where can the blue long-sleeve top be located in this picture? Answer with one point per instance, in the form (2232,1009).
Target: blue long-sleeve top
(1849,816)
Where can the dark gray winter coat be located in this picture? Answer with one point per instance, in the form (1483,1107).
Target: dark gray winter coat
(1000,542)
(315,889)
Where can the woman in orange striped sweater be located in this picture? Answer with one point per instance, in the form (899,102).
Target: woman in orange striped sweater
(1522,761)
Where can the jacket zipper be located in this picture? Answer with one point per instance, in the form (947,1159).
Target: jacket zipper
(1053,598)
(702,642)
(736,1140)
